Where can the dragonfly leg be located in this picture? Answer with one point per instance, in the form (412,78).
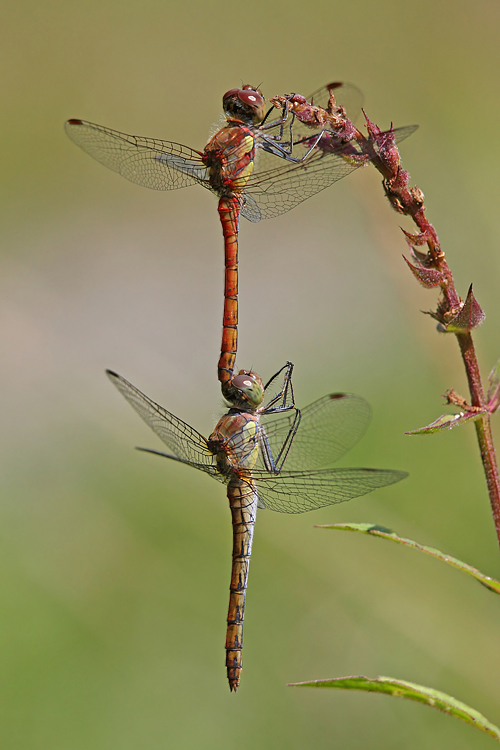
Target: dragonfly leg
(284,117)
(285,146)
(274,464)
(283,401)
(313,146)
(285,112)
(285,395)
(284,150)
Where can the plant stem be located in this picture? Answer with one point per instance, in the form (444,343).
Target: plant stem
(431,270)
(409,201)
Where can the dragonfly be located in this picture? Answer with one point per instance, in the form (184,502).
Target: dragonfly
(269,454)
(259,165)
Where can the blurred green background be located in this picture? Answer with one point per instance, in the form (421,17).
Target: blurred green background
(114,564)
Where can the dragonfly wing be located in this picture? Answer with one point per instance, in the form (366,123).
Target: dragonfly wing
(351,98)
(279,185)
(155,164)
(328,429)
(187,445)
(298,492)
(276,188)
(405,132)
(346,95)
(250,209)
(212,470)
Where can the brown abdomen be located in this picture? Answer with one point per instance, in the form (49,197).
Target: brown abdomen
(243,503)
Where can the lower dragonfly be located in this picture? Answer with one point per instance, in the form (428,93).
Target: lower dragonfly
(254,173)
(269,455)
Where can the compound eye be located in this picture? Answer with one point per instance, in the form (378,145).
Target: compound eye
(242,381)
(231,92)
(249,87)
(251,97)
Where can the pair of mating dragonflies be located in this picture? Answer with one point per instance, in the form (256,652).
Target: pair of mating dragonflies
(269,453)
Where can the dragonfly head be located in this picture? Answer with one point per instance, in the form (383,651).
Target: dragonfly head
(244,391)
(246,105)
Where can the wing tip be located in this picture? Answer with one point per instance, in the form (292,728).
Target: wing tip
(401,474)
(396,475)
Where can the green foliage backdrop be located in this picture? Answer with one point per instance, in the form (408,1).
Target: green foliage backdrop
(115,565)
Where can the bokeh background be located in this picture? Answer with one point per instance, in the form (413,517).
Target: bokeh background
(115,564)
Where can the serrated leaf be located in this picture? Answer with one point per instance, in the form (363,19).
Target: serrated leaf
(493,397)
(447,422)
(470,315)
(373,530)
(410,691)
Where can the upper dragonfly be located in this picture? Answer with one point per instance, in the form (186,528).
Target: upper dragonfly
(253,171)
(275,463)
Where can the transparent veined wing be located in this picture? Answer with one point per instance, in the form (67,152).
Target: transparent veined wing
(155,164)
(328,429)
(351,98)
(347,95)
(250,209)
(186,444)
(298,492)
(277,188)
(278,185)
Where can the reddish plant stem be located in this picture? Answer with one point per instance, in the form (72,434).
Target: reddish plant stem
(409,201)
(380,149)
(482,425)
(471,368)
(488,457)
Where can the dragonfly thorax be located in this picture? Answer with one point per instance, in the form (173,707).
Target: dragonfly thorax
(235,442)
(230,155)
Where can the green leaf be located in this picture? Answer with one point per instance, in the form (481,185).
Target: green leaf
(411,691)
(448,421)
(367,528)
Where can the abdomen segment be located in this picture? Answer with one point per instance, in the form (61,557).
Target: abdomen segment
(243,504)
